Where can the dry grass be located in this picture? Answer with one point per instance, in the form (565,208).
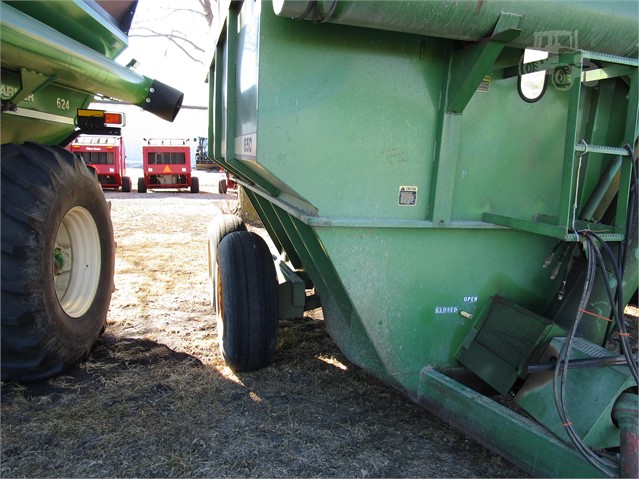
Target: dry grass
(156,400)
(140,409)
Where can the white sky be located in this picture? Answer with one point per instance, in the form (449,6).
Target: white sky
(159,58)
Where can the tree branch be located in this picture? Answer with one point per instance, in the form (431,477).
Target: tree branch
(170,36)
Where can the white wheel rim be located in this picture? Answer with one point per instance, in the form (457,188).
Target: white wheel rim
(212,272)
(219,307)
(76,262)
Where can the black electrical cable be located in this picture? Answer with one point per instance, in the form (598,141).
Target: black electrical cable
(618,307)
(604,465)
(630,216)
(591,242)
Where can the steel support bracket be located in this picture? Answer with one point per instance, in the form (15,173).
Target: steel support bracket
(517,438)
(30,82)
(291,291)
(471,64)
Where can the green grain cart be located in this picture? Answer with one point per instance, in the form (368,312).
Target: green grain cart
(57,238)
(456,183)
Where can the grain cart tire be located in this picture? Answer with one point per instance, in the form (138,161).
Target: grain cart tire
(246,301)
(221,187)
(57,261)
(126,184)
(218,229)
(195,184)
(141,185)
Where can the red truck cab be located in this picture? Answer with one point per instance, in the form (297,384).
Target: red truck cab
(106,155)
(167,164)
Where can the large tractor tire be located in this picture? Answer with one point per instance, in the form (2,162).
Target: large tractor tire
(218,228)
(57,261)
(246,301)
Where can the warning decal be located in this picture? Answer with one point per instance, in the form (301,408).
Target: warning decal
(166,169)
(407,195)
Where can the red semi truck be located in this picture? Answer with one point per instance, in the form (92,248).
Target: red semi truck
(167,164)
(106,155)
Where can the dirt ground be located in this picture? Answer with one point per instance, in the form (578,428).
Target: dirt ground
(156,400)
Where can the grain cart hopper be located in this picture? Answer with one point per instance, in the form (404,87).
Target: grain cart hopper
(166,163)
(57,237)
(106,155)
(470,231)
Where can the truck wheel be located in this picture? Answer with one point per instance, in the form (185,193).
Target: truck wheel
(218,229)
(221,187)
(246,301)
(57,261)
(126,184)
(141,185)
(195,184)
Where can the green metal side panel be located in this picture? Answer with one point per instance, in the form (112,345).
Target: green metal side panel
(416,290)
(509,155)
(411,194)
(320,74)
(50,111)
(79,21)
(383,197)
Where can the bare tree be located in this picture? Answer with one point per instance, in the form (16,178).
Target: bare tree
(178,38)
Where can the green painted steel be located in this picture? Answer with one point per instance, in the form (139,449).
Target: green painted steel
(505,338)
(410,180)
(79,21)
(591,407)
(53,109)
(543,23)
(518,438)
(47,75)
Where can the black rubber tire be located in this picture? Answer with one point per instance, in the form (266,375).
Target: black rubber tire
(218,229)
(195,184)
(141,185)
(44,188)
(221,187)
(126,184)
(246,301)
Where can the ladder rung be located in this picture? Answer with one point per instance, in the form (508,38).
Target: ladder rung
(604,150)
(604,57)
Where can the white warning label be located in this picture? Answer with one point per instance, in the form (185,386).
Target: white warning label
(407,195)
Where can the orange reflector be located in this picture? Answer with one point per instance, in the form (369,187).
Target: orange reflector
(108,118)
(166,169)
(115,119)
